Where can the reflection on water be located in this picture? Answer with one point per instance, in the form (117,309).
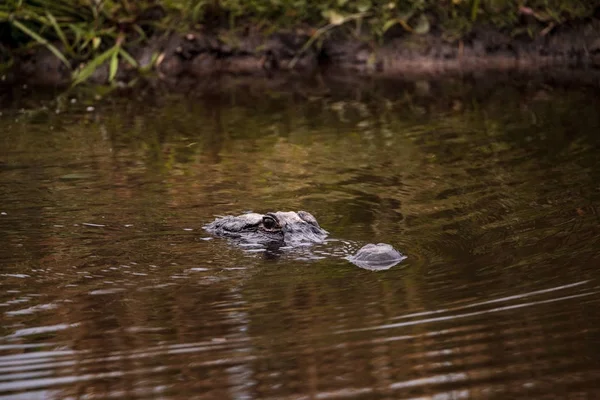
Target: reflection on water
(110,288)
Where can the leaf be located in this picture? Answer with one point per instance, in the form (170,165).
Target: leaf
(334,17)
(474,10)
(405,16)
(317,34)
(83,74)
(114,66)
(405,25)
(42,41)
(59,31)
(96,42)
(389,24)
(197,11)
(140,32)
(422,26)
(128,58)
(544,16)
(78,33)
(153,62)
(363,5)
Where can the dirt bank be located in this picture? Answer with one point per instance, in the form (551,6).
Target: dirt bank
(201,54)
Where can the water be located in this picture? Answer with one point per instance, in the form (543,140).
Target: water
(109,288)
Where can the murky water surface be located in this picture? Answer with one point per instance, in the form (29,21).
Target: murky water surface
(109,287)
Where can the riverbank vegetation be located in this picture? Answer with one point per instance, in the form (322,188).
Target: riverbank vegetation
(85,34)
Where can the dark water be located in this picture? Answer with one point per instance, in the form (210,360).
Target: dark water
(109,288)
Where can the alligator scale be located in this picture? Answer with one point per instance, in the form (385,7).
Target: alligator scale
(295,229)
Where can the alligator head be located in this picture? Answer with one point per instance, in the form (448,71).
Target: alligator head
(287,228)
(277,229)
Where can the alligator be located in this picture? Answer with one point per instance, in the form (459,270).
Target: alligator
(291,229)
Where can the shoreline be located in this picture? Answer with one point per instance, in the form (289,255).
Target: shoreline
(198,55)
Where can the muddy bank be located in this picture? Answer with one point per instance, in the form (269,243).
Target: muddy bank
(199,55)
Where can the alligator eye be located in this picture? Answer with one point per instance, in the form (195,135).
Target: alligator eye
(269,223)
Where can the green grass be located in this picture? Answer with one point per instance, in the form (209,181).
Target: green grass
(84,34)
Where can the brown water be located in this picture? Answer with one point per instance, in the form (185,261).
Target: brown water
(109,288)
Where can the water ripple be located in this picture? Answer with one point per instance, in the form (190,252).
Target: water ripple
(477,313)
